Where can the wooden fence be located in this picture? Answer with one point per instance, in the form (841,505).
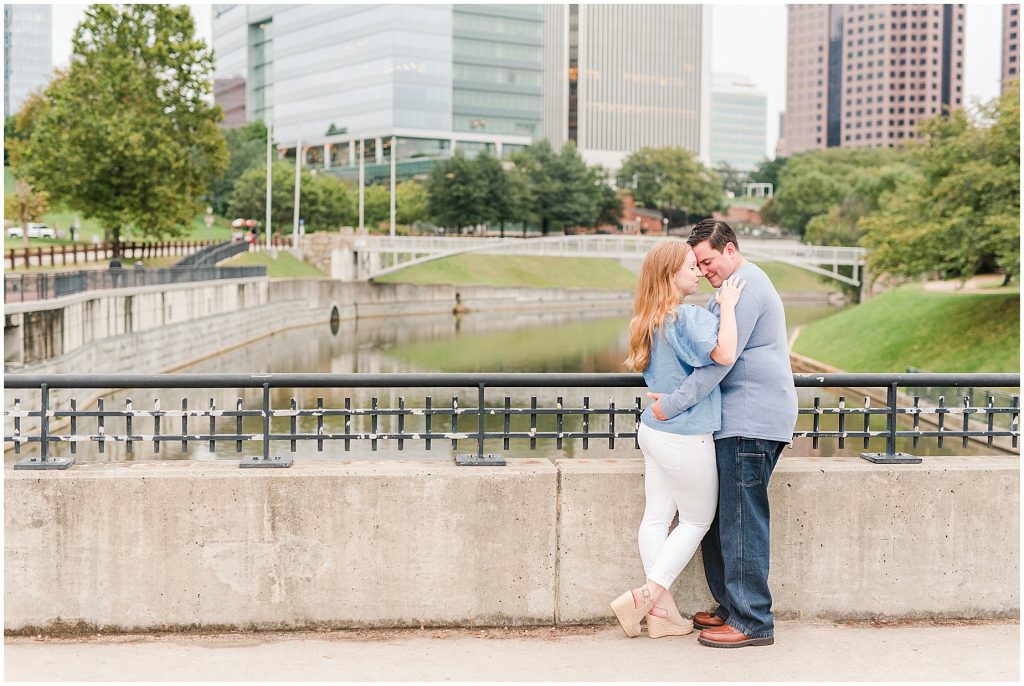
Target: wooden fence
(62,255)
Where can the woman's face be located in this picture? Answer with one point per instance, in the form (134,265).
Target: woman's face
(687,278)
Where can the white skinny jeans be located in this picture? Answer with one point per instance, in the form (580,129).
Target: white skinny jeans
(680,474)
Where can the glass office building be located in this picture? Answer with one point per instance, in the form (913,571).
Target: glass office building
(621,77)
(739,122)
(28,52)
(345,79)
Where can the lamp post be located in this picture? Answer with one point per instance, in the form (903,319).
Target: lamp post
(298,181)
(362,182)
(664,222)
(394,143)
(267,224)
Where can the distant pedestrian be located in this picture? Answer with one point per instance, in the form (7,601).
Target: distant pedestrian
(115,270)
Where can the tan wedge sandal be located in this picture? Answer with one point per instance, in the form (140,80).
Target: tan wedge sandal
(659,627)
(628,614)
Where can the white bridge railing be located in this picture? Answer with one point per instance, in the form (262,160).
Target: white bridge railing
(381,255)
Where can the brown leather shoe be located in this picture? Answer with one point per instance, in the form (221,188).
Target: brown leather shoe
(726,636)
(707,620)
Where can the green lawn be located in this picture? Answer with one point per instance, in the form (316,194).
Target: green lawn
(555,272)
(499,270)
(285,265)
(912,327)
(790,279)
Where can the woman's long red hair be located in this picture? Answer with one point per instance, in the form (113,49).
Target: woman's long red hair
(655,299)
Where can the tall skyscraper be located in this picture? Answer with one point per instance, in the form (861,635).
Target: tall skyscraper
(866,75)
(1011,44)
(28,52)
(739,122)
(436,77)
(621,77)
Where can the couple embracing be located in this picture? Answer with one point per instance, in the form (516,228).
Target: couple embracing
(725,407)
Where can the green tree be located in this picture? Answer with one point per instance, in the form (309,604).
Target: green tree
(672,180)
(326,202)
(377,207)
(562,190)
(456,200)
(768,171)
(128,137)
(18,127)
(411,203)
(961,214)
(732,178)
(609,205)
(813,183)
(247,147)
(249,197)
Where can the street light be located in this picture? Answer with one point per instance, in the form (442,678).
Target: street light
(664,222)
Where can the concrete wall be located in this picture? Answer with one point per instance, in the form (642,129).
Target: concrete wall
(156,329)
(153,546)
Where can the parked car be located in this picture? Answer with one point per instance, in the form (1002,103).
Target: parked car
(35,230)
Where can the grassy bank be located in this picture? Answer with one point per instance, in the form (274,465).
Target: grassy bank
(567,272)
(499,270)
(912,327)
(285,265)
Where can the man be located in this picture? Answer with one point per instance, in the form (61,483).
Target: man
(759,411)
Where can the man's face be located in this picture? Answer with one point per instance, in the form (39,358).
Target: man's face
(714,265)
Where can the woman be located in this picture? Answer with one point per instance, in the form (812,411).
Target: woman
(667,341)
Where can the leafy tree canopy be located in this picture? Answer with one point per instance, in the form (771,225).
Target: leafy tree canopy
(960,214)
(673,180)
(811,184)
(768,171)
(326,202)
(126,135)
(247,147)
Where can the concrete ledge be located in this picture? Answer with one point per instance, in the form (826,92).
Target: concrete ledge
(166,545)
(850,539)
(153,546)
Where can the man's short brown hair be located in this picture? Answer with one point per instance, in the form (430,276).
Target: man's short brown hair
(716,233)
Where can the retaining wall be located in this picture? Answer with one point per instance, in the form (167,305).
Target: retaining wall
(170,545)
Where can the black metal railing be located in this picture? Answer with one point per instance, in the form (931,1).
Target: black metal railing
(34,286)
(211,255)
(408,423)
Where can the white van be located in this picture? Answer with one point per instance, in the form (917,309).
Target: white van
(35,230)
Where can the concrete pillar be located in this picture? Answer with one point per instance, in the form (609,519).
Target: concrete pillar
(327,155)
(378,150)
(352,153)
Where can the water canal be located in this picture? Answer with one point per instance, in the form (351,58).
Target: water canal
(475,342)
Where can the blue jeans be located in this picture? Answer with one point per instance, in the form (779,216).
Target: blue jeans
(736,547)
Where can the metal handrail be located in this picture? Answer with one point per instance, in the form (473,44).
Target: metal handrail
(35,286)
(891,382)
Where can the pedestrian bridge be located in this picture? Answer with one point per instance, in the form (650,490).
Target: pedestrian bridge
(374,256)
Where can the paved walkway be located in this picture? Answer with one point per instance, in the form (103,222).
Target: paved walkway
(803,651)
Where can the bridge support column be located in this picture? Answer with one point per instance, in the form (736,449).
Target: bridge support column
(865,283)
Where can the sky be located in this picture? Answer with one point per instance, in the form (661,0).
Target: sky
(745,39)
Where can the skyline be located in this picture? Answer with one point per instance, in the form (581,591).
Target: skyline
(759,29)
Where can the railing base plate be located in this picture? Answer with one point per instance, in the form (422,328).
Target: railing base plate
(256,462)
(897,458)
(50,463)
(479,461)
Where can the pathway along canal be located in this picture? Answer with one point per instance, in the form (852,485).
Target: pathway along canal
(475,342)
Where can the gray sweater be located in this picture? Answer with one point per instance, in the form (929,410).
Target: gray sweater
(758,396)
